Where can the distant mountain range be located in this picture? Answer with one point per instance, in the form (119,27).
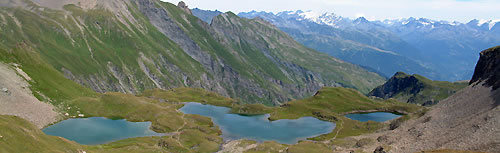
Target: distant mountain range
(439,50)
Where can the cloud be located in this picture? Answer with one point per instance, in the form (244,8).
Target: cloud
(453,10)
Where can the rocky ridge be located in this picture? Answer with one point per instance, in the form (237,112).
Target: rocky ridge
(416,89)
(130,46)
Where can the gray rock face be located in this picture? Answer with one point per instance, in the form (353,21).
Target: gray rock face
(224,74)
(398,83)
(488,68)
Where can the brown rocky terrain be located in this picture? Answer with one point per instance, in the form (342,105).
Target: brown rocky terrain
(467,120)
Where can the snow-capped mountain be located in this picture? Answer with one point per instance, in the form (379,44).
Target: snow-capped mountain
(357,41)
(330,19)
(440,50)
(485,25)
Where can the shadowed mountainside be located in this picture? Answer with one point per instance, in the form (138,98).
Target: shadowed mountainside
(416,89)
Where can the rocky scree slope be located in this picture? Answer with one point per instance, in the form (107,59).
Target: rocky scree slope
(467,120)
(131,46)
(416,89)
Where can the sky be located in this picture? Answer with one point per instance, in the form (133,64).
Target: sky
(450,10)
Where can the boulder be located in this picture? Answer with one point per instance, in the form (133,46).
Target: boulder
(383,138)
(379,149)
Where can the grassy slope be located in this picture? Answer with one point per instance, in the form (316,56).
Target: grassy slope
(104,34)
(94,38)
(428,90)
(18,135)
(279,45)
(66,94)
(165,118)
(440,90)
(333,103)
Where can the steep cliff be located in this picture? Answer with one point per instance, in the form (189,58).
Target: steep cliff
(467,120)
(416,89)
(487,69)
(130,46)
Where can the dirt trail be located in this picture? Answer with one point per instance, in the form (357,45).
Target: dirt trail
(16,98)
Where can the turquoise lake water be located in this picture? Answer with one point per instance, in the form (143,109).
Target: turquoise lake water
(99,130)
(258,127)
(375,116)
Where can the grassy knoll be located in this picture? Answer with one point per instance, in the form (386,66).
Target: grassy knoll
(189,95)
(18,135)
(339,101)
(417,89)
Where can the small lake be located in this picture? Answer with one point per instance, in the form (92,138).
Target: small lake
(375,116)
(258,127)
(99,130)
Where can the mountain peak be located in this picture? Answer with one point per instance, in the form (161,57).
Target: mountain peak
(415,89)
(361,20)
(184,7)
(400,74)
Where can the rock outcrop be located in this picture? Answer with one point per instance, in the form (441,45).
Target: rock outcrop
(184,7)
(416,89)
(467,120)
(488,68)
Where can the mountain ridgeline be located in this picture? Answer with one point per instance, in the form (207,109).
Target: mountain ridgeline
(439,50)
(130,46)
(416,89)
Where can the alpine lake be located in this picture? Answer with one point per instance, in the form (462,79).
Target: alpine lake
(100,130)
